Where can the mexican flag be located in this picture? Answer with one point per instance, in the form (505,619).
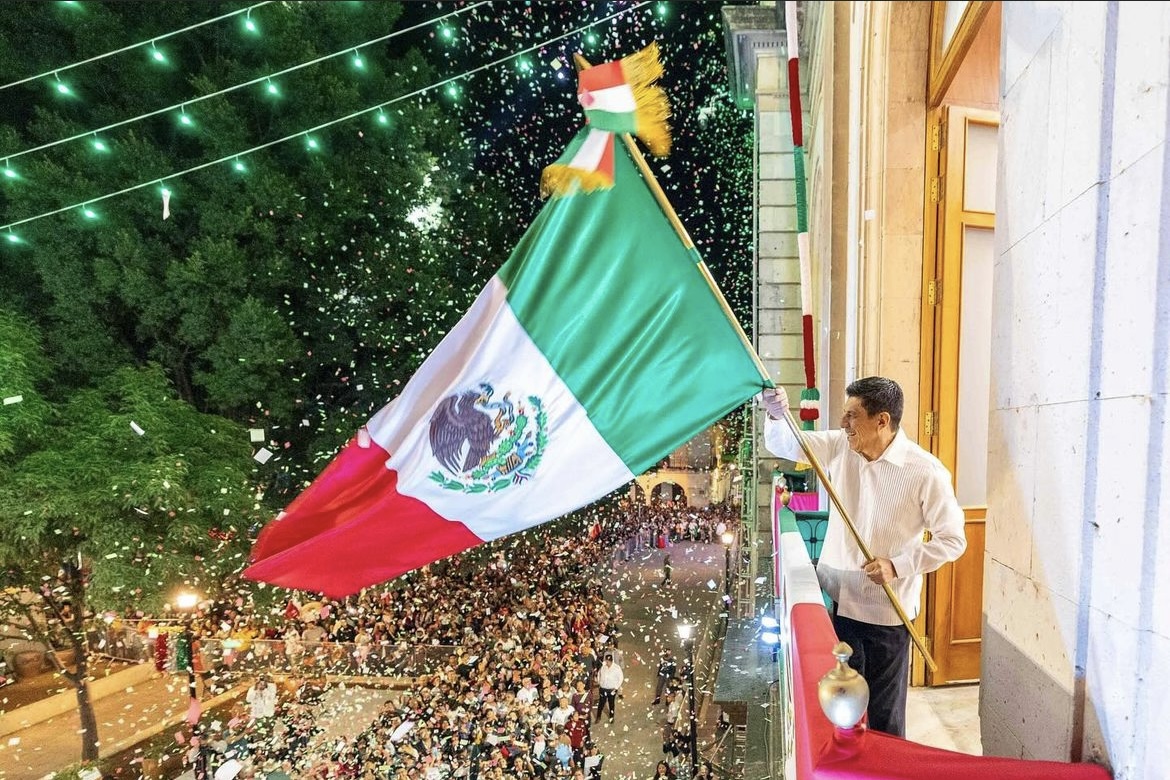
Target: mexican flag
(597,349)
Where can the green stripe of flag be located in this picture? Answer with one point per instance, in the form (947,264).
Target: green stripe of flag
(614,122)
(618,305)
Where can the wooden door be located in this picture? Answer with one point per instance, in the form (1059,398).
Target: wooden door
(957,365)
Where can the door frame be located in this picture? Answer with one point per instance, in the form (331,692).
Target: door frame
(945,222)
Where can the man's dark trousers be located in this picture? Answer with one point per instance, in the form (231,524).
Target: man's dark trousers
(881,654)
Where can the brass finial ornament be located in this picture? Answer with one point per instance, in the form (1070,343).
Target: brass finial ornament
(843,693)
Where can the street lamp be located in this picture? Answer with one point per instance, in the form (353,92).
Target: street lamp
(686,633)
(770,636)
(727,538)
(186,602)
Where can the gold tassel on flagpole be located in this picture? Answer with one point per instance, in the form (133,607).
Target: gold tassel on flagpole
(561,180)
(641,70)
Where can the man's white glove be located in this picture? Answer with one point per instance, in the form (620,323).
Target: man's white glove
(775,401)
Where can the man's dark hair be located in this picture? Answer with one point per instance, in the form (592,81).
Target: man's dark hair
(878,394)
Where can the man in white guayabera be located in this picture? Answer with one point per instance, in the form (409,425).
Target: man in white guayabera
(894,491)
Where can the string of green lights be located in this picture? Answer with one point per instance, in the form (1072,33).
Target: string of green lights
(311,143)
(271,88)
(156,55)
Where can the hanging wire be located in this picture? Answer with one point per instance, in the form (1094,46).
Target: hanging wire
(148,41)
(352,115)
(257,80)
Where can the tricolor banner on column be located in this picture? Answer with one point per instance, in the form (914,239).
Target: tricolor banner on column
(598,348)
(810,397)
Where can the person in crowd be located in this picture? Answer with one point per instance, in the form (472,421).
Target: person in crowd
(896,492)
(609,680)
(591,766)
(667,667)
(663,770)
(581,698)
(559,715)
(261,698)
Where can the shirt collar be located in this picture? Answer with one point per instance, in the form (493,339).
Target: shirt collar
(895,454)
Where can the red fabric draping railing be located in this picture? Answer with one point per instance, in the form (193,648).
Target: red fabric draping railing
(825,753)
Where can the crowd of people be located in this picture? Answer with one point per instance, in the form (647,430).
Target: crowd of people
(532,658)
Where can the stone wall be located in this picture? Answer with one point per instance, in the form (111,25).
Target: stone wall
(1077,590)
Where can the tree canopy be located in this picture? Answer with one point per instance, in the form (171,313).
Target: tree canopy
(292,296)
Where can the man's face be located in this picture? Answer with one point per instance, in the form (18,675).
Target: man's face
(863,430)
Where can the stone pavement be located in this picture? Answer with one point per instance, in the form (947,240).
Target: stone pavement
(632,745)
(124,719)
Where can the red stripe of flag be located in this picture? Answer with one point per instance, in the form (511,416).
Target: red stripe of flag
(601,77)
(352,527)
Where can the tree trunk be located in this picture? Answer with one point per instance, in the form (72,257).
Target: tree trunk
(74,580)
(89,730)
(89,734)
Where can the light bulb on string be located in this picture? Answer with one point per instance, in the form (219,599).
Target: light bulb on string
(61,87)
(447,33)
(591,39)
(99,145)
(12,238)
(185,119)
(661,9)
(9,172)
(88,212)
(382,118)
(453,91)
(358,62)
(250,23)
(239,167)
(311,143)
(157,55)
(271,88)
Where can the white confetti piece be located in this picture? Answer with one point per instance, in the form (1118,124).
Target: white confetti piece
(13,399)
(136,428)
(256,435)
(263,455)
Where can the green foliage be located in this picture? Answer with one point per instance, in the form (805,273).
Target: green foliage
(23,367)
(296,297)
(141,508)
